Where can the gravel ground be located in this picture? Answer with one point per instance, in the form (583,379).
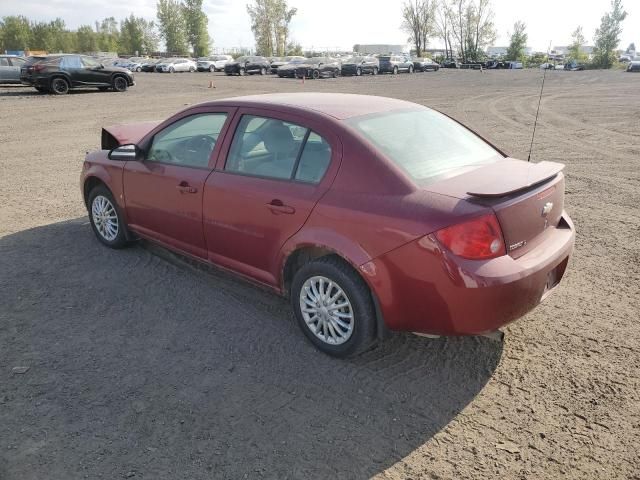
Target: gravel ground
(140,364)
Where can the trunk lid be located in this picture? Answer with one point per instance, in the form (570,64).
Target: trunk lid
(527,198)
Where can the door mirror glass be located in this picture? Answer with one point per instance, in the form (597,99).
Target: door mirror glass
(125,153)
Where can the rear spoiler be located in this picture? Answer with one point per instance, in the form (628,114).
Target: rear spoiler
(514,178)
(117,135)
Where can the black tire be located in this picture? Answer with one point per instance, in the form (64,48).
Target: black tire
(241,72)
(138,69)
(410,69)
(59,86)
(172,70)
(315,74)
(263,71)
(375,71)
(212,68)
(358,72)
(120,240)
(192,69)
(119,84)
(336,73)
(358,294)
(395,70)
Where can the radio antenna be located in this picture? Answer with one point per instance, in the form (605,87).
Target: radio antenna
(535,123)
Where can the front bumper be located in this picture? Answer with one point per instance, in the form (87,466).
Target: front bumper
(422,287)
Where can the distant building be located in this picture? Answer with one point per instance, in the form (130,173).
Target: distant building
(380,49)
(560,53)
(498,52)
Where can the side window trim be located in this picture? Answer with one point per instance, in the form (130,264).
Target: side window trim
(296,165)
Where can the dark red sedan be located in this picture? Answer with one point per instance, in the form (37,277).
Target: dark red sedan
(371,214)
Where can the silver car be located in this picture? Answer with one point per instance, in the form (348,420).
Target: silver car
(172,65)
(213,63)
(10,68)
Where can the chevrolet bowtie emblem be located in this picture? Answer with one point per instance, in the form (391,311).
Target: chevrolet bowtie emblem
(546,209)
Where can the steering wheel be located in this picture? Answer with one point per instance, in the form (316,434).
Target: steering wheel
(163,156)
(199,148)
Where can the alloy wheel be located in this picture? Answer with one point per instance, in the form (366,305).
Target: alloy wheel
(105,218)
(326,310)
(60,86)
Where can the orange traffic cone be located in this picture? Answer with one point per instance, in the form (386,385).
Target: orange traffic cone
(211,84)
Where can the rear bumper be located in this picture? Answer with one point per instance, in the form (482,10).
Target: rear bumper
(423,288)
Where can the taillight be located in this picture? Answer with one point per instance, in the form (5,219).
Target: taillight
(477,239)
(38,68)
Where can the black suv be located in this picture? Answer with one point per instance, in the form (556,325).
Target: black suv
(395,64)
(58,74)
(250,65)
(359,65)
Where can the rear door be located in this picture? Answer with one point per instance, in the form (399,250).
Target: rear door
(5,68)
(271,174)
(164,191)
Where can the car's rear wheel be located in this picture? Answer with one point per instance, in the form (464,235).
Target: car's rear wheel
(410,69)
(395,70)
(241,72)
(315,74)
(212,68)
(263,71)
(119,84)
(192,69)
(59,86)
(138,69)
(333,307)
(172,70)
(358,71)
(375,70)
(106,220)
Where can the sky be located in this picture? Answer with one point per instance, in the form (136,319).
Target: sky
(339,24)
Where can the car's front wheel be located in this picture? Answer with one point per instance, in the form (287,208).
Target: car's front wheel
(119,84)
(333,307)
(395,70)
(263,71)
(106,220)
(375,70)
(212,68)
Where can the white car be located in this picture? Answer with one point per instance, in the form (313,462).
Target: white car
(213,63)
(134,64)
(172,65)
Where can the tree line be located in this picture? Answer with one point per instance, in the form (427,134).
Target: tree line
(182,25)
(466,28)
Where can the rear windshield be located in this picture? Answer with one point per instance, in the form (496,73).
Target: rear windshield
(386,59)
(426,144)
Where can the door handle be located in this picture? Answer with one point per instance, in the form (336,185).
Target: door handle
(276,206)
(184,187)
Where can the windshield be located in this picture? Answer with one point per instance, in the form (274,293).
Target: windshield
(354,60)
(242,59)
(424,143)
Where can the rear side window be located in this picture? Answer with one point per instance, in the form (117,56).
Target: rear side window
(272,148)
(17,62)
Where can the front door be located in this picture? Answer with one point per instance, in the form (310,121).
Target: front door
(93,73)
(276,170)
(164,191)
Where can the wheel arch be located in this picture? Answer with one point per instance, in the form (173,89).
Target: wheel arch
(63,75)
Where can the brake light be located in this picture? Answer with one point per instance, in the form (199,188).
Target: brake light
(477,239)
(38,67)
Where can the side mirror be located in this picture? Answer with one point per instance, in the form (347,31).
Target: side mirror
(125,153)
(101,66)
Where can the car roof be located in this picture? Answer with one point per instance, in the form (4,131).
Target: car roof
(338,105)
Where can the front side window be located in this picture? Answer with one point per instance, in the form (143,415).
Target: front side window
(189,141)
(70,62)
(89,62)
(424,143)
(268,147)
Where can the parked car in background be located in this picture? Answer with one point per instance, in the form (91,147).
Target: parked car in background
(573,66)
(133,64)
(450,63)
(318,67)
(425,65)
(359,65)
(289,70)
(171,65)
(10,66)
(248,65)
(395,64)
(150,64)
(496,64)
(58,74)
(547,66)
(337,202)
(634,65)
(213,63)
(277,62)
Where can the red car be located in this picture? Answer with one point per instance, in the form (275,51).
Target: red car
(371,214)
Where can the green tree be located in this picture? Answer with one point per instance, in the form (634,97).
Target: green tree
(270,25)
(108,35)
(294,49)
(137,35)
(16,33)
(631,48)
(197,29)
(607,37)
(518,41)
(470,24)
(419,22)
(52,37)
(172,26)
(87,40)
(575,49)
